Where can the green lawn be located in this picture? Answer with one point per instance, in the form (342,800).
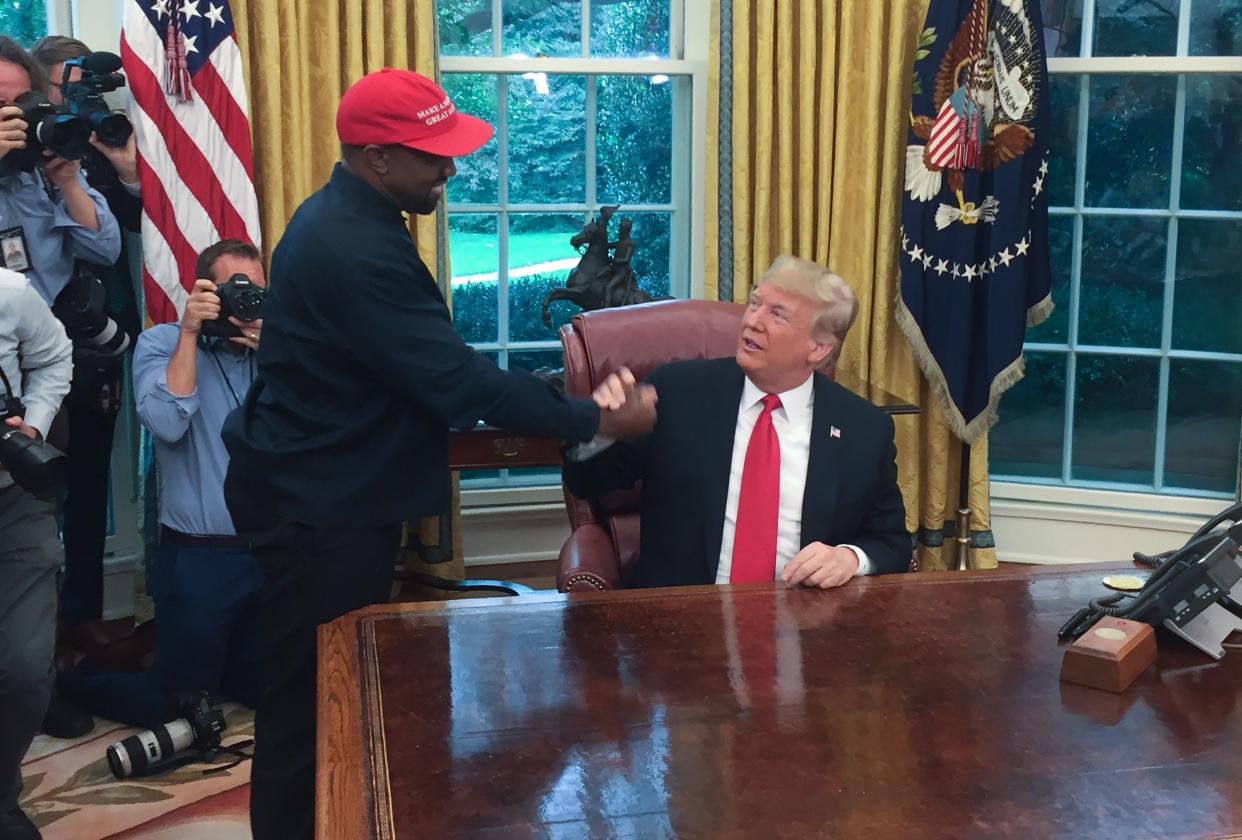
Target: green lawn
(475,253)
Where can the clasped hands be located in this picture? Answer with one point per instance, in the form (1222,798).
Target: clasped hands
(626,408)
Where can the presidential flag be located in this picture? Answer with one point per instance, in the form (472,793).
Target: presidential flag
(193,135)
(974,219)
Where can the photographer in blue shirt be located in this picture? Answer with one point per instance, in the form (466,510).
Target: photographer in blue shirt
(204,580)
(49,213)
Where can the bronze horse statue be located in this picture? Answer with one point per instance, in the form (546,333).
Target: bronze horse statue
(594,283)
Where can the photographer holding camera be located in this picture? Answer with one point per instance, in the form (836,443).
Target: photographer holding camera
(95,398)
(187,378)
(46,207)
(35,368)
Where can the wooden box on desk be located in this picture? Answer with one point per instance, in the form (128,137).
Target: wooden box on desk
(1110,655)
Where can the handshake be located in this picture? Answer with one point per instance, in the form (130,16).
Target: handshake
(626,408)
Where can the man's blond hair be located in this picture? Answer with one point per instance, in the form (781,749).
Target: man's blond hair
(835,302)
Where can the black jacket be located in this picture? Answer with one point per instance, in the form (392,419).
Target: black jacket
(851,493)
(361,375)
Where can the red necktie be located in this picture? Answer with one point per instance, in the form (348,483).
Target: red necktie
(754,538)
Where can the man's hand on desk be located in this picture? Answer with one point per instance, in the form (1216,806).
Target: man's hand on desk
(823,566)
(626,409)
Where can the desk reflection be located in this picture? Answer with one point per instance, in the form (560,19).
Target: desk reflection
(926,706)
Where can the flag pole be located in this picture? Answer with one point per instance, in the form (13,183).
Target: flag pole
(963,512)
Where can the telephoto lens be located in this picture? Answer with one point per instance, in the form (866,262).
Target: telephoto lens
(137,754)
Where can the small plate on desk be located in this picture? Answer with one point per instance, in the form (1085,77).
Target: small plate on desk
(1126,582)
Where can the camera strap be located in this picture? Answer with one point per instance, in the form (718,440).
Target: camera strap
(213,351)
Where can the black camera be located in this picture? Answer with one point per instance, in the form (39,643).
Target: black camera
(36,465)
(82,307)
(164,747)
(240,298)
(84,98)
(66,129)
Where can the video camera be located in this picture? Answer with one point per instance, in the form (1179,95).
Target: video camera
(66,129)
(165,747)
(240,299)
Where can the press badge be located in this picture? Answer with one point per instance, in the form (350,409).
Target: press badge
(13,248)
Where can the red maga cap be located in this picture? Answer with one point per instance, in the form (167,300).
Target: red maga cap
(404,107)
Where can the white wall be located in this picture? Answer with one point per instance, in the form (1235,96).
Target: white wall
(97,23)
(1032,524)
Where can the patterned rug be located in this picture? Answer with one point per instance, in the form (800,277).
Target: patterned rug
(71,794)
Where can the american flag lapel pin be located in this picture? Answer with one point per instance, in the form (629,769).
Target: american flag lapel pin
(833,431)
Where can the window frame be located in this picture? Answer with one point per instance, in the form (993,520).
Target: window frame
(687,69)
(1180,65)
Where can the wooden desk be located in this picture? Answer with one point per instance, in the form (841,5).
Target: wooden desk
(904,706)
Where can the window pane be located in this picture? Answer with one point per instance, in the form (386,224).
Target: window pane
(542,27)
(1062,27)
(1063,92)
(477,179)
(1121,300)
(1207,297)
(1027,440)
(540,259)
(465,27)
(1211,177)
(1126,27)
(1115,419)
(534,360)
(1060,253)
(1130,141)
(1216,27)
(1205,421)
(25,22)
(651,232)
(474,260)
(547,139)
(634,139)
(630,28)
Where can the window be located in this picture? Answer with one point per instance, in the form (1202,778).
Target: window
(1135,382)
(593,102)
(24,20)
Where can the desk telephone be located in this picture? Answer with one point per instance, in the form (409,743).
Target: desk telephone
(1194,591)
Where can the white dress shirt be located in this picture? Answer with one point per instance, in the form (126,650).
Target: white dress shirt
(36,356)
(792,422)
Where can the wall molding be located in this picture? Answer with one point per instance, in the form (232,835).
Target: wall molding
(1032,523)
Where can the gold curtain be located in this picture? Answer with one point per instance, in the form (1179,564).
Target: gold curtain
(300,56)
(820,98)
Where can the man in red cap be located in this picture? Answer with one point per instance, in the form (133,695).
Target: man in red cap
(344,433)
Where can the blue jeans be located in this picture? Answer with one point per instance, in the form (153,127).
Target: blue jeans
(207,638)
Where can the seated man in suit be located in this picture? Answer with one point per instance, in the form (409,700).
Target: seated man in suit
(757,469)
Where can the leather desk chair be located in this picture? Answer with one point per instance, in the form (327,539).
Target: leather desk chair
(604,542)
(603,545)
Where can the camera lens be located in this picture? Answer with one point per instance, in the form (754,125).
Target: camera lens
(248,304)
(65,135)
(112,129)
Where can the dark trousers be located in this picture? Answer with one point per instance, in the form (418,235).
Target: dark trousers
(29,557)
(311,575)
(207,638)
(85,513)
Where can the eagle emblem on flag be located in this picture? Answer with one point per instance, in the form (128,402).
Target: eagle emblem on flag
(985,92)
(974,212)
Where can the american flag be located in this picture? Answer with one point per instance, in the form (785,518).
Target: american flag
(193,134)
(944,148)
